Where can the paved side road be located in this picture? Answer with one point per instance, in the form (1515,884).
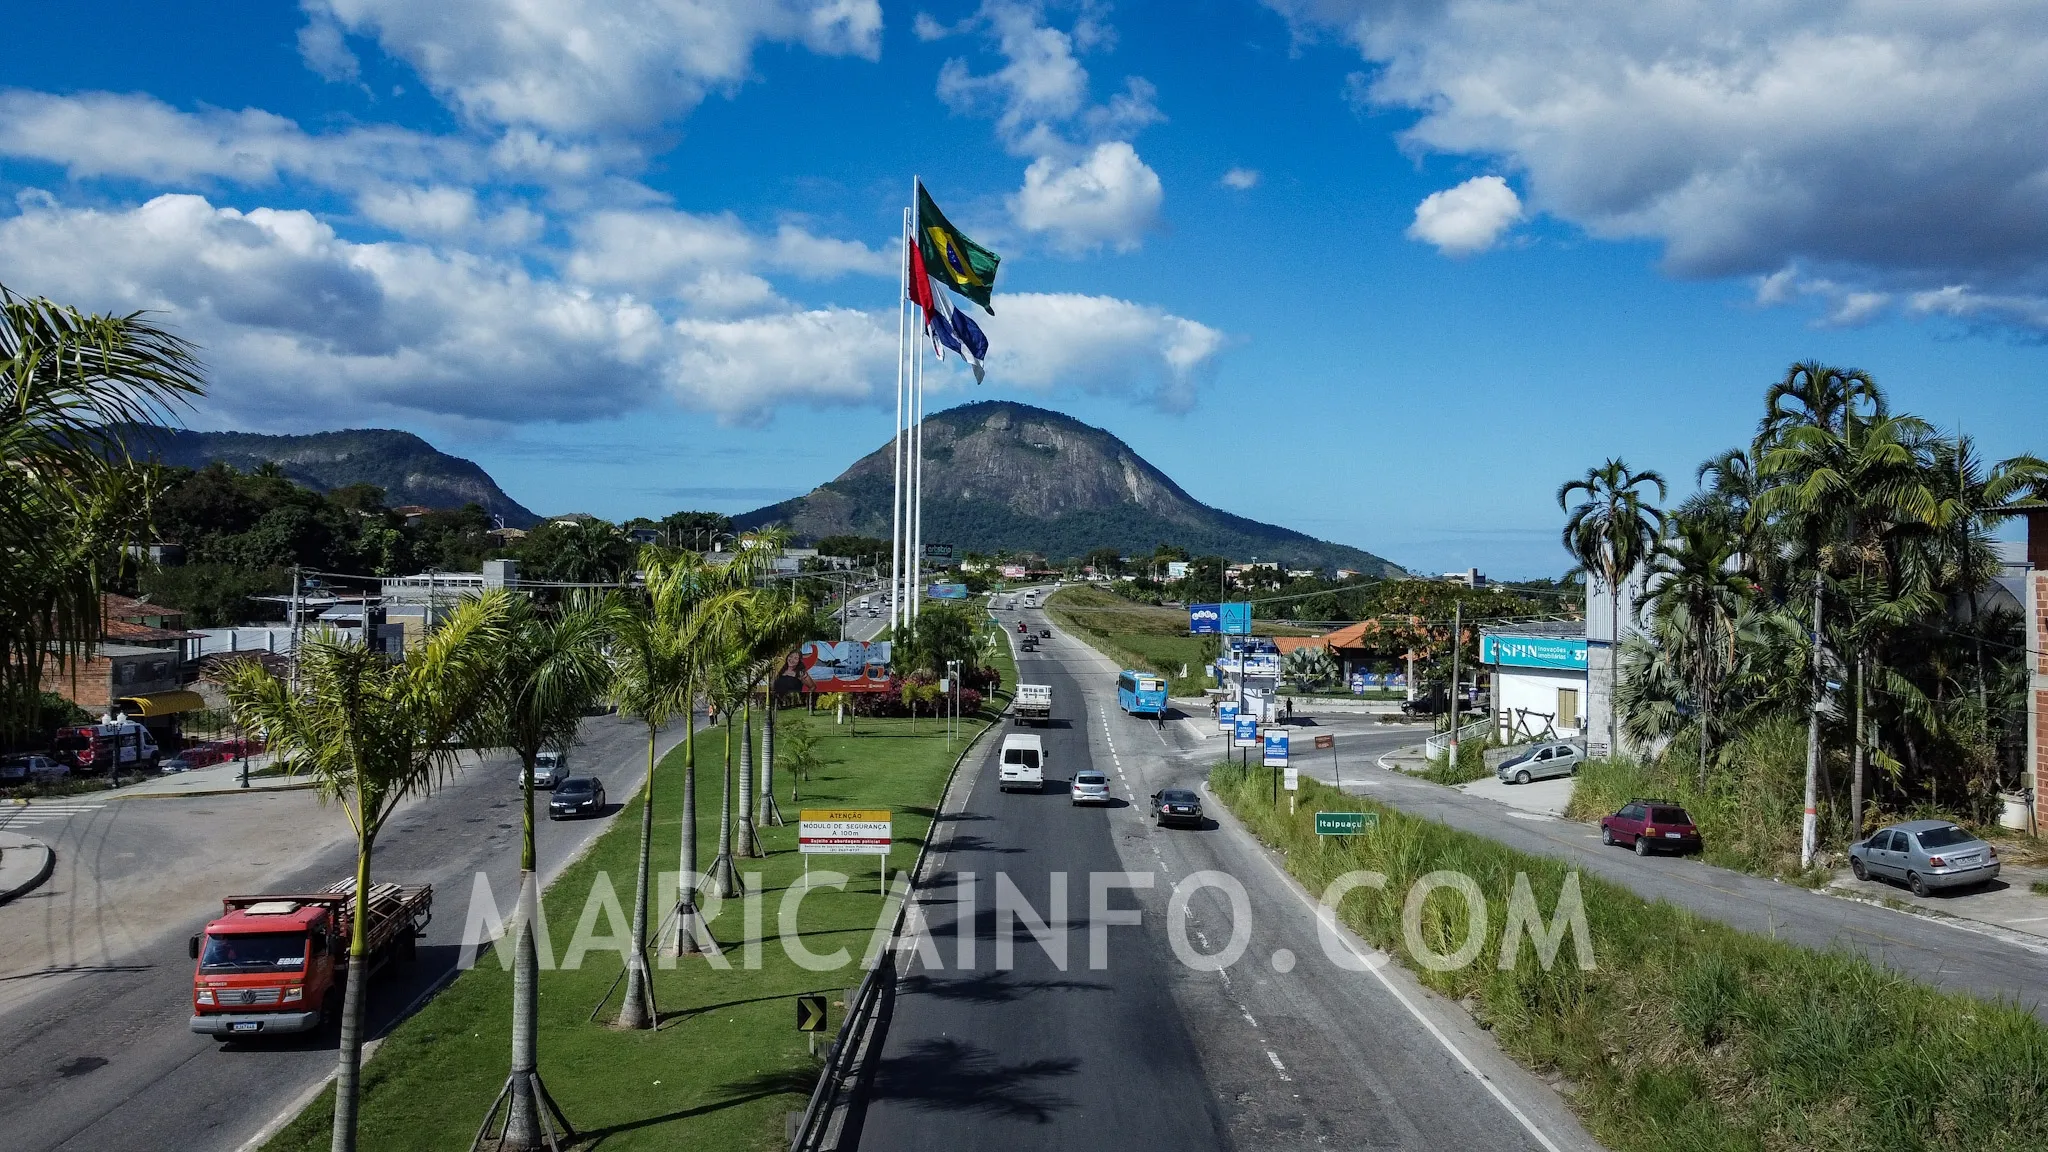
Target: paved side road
(101,1060)
(1945,954)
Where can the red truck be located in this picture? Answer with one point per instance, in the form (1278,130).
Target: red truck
(279,963)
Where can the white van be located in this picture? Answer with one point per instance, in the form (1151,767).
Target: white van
(1023,764)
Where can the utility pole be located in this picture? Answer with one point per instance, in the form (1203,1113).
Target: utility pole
(1457,627)
(296,614)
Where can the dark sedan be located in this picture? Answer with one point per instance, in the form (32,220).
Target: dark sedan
(577,796)
(1177,806)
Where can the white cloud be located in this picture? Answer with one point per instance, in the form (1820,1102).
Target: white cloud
(1108,197)
(298,326)
(1047,341)
(741,368)
(598,66)
(665,253)
(1467,219)
(324,50)
(1242,179)
(1897,147)
(96,134)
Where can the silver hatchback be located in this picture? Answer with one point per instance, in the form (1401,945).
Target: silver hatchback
(1539,761)
(1926,855)
(1089,788)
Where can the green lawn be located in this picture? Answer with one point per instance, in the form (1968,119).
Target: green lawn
(1687,1035)
(726,1063)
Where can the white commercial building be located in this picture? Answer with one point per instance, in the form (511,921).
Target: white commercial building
(1539,674)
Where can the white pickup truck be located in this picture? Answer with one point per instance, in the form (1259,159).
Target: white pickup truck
(1032,704)
(1023,764)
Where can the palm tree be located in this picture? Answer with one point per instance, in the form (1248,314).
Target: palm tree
(651,680)
(74,388)
(1694,589)
(1840,483)
(371,733)
(546,669)
(1611,533)
(772,626)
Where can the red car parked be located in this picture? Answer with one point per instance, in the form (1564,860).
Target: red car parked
(1648,825)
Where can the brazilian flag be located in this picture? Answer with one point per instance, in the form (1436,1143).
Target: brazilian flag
(950,257)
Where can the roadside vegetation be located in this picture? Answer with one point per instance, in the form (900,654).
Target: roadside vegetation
(1687,1035)
(1843,518)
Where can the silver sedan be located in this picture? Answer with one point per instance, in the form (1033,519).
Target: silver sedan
(1926,855)
(1539,761)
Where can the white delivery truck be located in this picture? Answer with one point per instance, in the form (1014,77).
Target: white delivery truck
(1022,765)
(1032,704)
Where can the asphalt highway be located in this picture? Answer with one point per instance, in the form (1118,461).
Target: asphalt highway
(102,1060)
(1284,1048)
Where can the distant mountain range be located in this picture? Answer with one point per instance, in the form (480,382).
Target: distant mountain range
(1002,475)
(410,470)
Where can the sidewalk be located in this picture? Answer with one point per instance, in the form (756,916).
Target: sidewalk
(2008,902)
(25,863)
(212,780)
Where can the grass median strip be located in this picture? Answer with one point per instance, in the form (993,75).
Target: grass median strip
(727,1062)
(1684,1034)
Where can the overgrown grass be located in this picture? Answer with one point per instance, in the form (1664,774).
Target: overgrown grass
(2038,887)
(1749,812)
(726,1063)
(1687,1035)
(1136,635)
(1469,766)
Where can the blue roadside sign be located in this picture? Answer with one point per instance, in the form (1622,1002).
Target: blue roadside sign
(1226,715)
(1204,620)
(1236,618)
(1246,734)
(1276,750)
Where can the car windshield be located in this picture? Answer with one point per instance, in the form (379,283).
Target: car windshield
(1944,837)
(1669,816)
(575,787)
(256,950)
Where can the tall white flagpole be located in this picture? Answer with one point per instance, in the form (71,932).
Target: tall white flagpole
(917,486)
(896,441)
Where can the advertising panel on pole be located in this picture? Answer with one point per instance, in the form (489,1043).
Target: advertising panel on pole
(1533,651)
(1246,733)
(844,831)
(1236,618)
(1204,619)
(940,552)
(1226,715)
(1276,750)
(949,591)
(1291,780)
(846,666)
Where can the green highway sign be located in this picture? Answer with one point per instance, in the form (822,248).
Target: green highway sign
(810,1013)
(1345,823)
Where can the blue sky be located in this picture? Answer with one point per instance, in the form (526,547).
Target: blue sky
(1387,273)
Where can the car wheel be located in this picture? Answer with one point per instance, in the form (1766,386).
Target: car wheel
(1914,882)
(1857,869)
(1522,777)
(1642,845)
(1606,836)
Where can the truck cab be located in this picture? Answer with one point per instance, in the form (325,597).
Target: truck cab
(1022,764)
(268,966)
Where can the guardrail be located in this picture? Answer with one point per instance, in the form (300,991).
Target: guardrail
(1433,748)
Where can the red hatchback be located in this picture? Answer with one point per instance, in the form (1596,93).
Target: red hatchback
(1648,825)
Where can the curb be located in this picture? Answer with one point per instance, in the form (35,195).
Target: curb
(213,792)
(42,874)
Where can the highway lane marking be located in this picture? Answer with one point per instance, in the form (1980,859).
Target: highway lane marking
(1316,910)
(1277,1065)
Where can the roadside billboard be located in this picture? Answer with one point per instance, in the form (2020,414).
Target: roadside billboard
(949,591)
(1564,652)
(1275,755)
(1204,619)
(846,666)
(1246,733)
(1236,618)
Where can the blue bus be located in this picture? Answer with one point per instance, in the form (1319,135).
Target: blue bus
(1141,692)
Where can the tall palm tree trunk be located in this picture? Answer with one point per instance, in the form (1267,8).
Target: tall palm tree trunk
(721,866)
(686,910)
(638,1009)
(1809,821)
(522,1123)
(1856,776)
(771,815)
(749,845)
(348,1070)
